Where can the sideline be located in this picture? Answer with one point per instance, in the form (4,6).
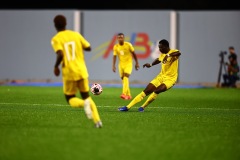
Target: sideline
(178,108)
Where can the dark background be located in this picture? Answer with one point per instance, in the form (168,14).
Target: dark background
(123,4)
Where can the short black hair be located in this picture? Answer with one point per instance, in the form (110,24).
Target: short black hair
(164,42)
(60,22)
(119,34)
(231,47)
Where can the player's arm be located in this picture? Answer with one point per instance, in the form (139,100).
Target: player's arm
(233,69)
(88,48)
(136,60)
(58,62)
(174,54)
(85,44)
(148,65)
(114,63)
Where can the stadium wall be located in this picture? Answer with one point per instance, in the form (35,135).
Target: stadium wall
(26,52)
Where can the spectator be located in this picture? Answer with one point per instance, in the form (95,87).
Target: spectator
(230,78)
(232,55)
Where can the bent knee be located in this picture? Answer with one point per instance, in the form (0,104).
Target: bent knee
(160,89)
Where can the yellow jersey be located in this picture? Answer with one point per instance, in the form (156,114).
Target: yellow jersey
(124,53)
(170,68)
(73,63)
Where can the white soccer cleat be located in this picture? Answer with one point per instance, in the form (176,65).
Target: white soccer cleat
(99,124)
(87,109)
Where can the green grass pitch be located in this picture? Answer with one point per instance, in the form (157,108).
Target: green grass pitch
(181,124)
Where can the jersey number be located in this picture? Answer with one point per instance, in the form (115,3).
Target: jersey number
(70,50)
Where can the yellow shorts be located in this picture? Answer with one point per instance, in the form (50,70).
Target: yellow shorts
(125,69)
(72,87)
(158,80)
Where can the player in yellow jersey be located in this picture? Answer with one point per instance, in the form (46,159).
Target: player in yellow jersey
(69,47)
(165,80)
(124,51)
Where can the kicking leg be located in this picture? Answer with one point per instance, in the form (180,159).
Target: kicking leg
(148,90)
(153,96)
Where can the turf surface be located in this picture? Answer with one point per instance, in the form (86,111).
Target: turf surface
(181,124)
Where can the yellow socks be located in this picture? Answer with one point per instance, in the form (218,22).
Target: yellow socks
(76,102)
(140,97)
(95,114)
(137,99)
(126,89)
(151,98)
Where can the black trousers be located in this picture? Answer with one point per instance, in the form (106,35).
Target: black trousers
(229,80)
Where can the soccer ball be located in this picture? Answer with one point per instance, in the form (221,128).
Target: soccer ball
(96,89)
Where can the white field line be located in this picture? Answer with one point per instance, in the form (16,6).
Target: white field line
(36,104)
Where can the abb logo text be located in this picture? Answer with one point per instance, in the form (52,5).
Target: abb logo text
(140,42)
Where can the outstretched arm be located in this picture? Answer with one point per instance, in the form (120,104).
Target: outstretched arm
(156,61)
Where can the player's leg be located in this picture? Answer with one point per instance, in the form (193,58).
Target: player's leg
(121,74)
(126,75)
(164,86)
(225,80)
(126,90)
(153,96)
(84,91)
(156,82)
(70,89)
(232,81)
(148,90)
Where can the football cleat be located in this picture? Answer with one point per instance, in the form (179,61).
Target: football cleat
(141,109)
(99,124)
(129,97)
(122,96)
(125,97)
(123,108)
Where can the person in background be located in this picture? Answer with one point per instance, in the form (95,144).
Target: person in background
(230,78)
(164,81)
(124,51)
(232,55)
(69,47)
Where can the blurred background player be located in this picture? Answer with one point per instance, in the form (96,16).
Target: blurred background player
(69,47)
(124,51)
(165,80)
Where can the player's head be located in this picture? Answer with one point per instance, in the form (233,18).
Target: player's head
(231,49)
(163,46)
(120,38)
(60,22)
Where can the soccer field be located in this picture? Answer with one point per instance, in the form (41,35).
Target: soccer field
(181,124)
